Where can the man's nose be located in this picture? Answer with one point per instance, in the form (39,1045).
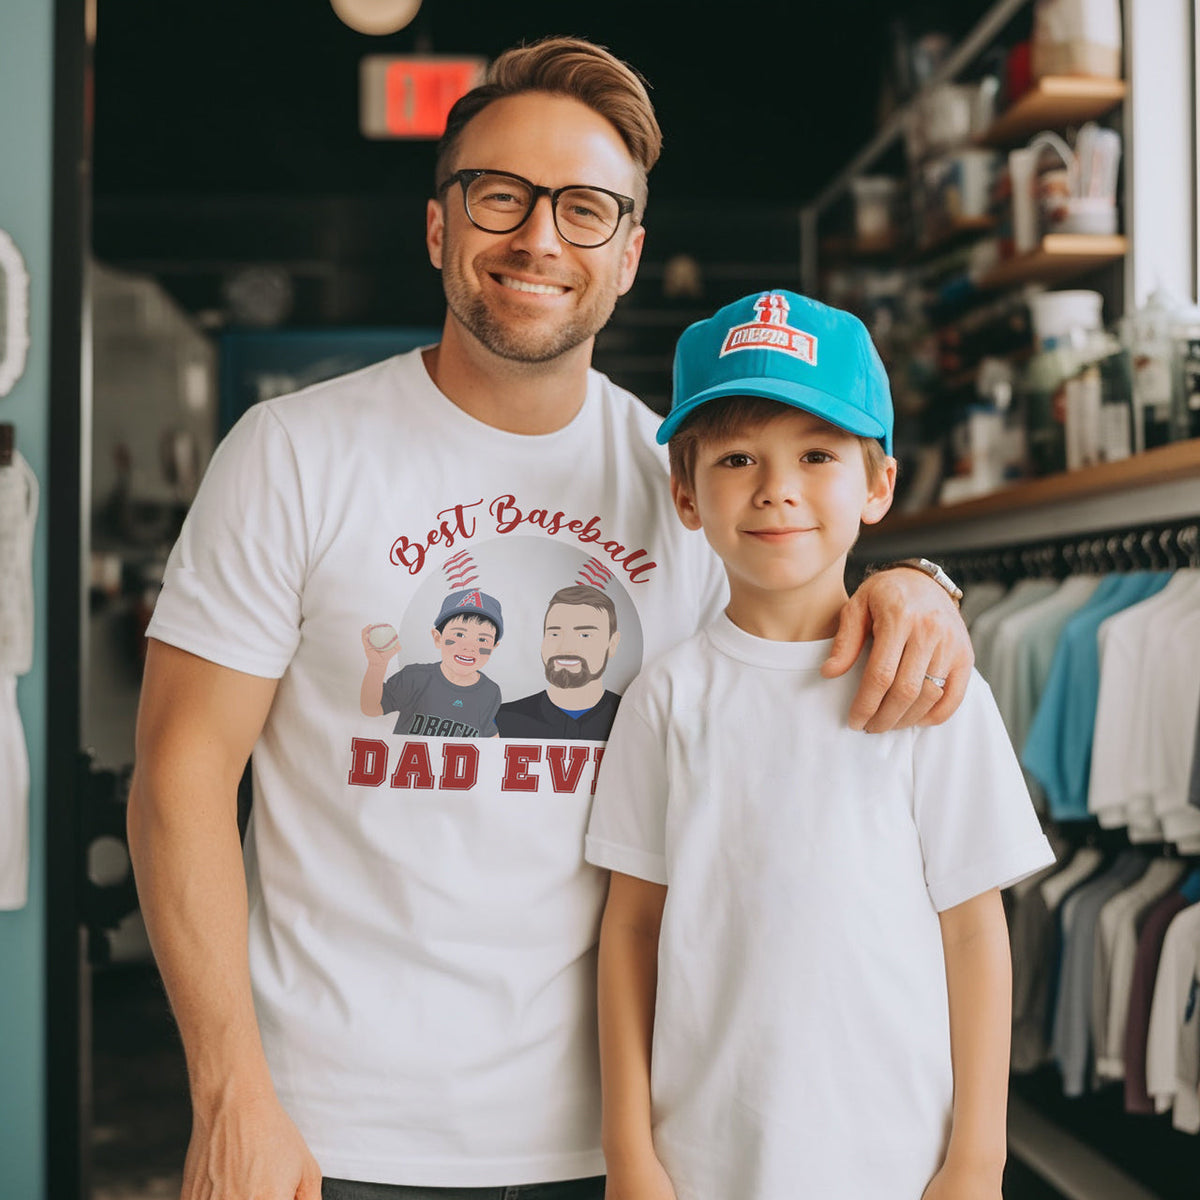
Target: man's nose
(538,235)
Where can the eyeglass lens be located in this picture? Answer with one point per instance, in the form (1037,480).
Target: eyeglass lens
(584,216)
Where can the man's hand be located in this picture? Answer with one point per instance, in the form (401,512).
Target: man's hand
(918,632)
(248,1150)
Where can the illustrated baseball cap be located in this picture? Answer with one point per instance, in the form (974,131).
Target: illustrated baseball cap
(471,602)
(784,347)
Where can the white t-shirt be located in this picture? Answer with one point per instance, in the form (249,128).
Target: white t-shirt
(422,923)
(801,1038)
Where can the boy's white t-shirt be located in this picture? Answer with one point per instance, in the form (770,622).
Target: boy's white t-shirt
(422,923)
(801,1038)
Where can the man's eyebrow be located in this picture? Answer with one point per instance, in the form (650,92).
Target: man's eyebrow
(585,626)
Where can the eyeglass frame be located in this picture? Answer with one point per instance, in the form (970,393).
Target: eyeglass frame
(468,175)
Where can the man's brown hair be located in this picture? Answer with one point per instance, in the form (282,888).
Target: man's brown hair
(721,418)
(572,67)
(581,594)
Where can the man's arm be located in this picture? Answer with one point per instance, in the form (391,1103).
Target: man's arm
(628,982)
(197,723)
(979,986)
(918,633)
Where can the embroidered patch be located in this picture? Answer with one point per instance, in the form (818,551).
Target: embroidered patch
(770,331)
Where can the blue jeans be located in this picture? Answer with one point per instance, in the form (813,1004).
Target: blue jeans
(567,1189)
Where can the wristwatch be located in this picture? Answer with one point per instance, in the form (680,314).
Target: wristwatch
(929,568)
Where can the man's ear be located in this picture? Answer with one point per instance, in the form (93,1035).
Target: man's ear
(613,643)
(880,492)
(685,503)
(630,257)
(435,231)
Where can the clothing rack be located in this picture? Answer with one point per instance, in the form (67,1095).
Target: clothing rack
(1161,546)
(1089,1146)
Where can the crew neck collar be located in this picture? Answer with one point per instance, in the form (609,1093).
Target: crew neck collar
(732,640)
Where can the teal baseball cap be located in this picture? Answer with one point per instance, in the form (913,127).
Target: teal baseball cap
(784,347)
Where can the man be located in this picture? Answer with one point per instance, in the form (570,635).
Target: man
(579,636)
(402,993)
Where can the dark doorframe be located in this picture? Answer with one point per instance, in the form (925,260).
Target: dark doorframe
(68,1013)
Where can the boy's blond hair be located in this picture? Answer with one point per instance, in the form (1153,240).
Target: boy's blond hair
(725,416)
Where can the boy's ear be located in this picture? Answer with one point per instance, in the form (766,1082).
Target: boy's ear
(880,491)
(685,503)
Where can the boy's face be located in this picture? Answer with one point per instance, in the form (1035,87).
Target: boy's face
(781,503)
(465,644)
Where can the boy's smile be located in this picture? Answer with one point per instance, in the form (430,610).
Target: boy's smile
(465,646)
(781,503)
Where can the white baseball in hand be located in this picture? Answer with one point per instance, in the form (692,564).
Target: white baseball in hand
(381,636)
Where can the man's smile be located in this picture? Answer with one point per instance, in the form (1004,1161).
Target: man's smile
(523,285)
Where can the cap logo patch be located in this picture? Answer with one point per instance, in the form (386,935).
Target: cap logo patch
(471,600)
(770,331)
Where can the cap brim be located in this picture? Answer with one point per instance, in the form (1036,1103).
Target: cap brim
(813,400)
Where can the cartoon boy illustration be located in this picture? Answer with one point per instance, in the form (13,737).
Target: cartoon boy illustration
(579,636)
(451,698)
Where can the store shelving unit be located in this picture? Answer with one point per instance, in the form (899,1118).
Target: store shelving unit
(1059,257)
(1053,102)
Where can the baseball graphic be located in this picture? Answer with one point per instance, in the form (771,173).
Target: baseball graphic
(381,636)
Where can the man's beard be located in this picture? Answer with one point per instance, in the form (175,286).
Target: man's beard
(513,341)
(560,677)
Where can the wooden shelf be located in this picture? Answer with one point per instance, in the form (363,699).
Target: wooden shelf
(875,246)
(1166,464)
(1054,102)
(954,233)
(1061,256)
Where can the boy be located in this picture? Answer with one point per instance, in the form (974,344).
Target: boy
(451,698)
(803,930)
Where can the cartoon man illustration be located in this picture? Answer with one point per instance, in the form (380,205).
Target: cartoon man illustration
(451,698)
(579,637)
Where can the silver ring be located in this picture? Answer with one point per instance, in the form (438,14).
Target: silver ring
(936,680)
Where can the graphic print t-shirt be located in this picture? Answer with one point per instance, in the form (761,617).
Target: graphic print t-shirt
(422,923)
(421,694)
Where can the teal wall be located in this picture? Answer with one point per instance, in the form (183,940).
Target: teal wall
(26,86)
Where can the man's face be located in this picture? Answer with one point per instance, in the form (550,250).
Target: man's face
(466,646)
(528,296)
(576,645)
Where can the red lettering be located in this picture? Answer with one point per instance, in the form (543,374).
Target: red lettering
(613,549)
(408,554)
(368,762)
(506,512)
(460,766)
(516,768)
(644,569)
(413,769)
(599,753)
(591,531)
(566,778)
(459,528)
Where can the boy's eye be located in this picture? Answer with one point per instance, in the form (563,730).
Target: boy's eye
(737,459)
(817,456)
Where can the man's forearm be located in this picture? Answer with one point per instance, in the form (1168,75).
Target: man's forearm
(191,884)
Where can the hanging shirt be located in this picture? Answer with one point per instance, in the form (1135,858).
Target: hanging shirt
(1059,747)
(18,516)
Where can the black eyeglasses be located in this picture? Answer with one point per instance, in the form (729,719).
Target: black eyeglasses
(498,202)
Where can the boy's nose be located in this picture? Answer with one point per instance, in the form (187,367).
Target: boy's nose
(777,487)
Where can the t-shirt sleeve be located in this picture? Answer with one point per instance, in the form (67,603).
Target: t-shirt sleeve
(627,831)
(233,583)
(399,689)
(977,825)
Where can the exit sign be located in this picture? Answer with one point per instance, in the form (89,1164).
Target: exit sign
(410,96)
